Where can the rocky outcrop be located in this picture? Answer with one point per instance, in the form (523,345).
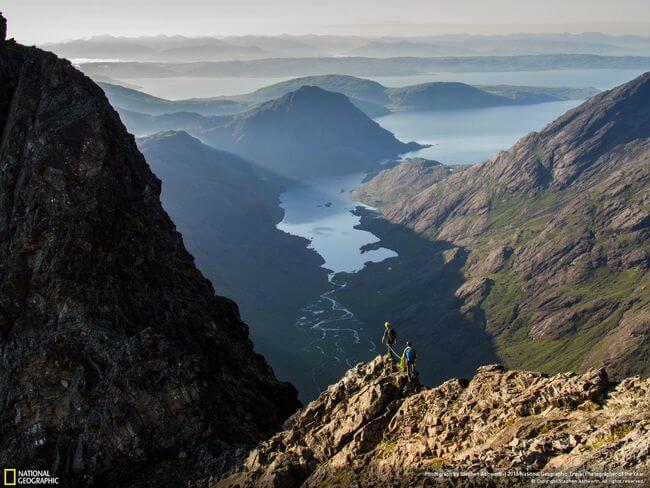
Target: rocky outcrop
(118,361)
(3,28)
(404,180)
(556,231)
(371,429)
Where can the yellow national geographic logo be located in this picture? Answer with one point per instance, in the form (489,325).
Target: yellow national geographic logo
(20,477)
(9,477)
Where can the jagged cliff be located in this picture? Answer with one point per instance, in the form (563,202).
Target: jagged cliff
(556,232)
(373,428)
(118,361)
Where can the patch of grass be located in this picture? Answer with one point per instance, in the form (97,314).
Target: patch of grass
(548,426)
(516,347)
(340,477)
(503,299)
(435,462)
(616,433)
(550,356)
(519,210)
(604,285)
(385,449)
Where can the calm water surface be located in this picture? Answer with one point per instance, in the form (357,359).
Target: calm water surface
(470,136)
(320,210)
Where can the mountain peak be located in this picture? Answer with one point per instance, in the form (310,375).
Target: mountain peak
(3,28)
(311,96)
(571,147)
(171,135)
(308,132)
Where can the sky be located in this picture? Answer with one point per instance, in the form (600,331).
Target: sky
(41,21)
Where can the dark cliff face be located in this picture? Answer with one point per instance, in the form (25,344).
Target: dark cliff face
(116,354)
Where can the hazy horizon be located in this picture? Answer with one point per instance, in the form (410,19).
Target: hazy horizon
(40,21)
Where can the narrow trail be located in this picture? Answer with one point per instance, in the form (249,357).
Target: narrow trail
(339,336)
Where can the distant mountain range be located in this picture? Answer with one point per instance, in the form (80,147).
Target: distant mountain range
(550,237)
(369,96)
(360,66)
(425,96)
(308,132)
(179,48)
(137,101)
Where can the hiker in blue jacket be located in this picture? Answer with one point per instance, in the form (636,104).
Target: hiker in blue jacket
(409,358)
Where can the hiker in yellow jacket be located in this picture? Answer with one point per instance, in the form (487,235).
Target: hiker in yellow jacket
(389,338)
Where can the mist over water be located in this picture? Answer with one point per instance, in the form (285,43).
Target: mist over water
(175,88)
(201,87)
(603,79)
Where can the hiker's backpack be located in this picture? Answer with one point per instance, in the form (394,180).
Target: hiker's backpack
(402,362)
(411,357)
(391,336)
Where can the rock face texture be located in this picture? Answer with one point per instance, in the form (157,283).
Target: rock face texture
(405,180)
(372,429)
(556,231)
(3,28)
(117,357)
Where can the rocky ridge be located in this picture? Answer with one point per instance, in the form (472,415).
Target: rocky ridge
(118,360)
(374,429)
(402,181)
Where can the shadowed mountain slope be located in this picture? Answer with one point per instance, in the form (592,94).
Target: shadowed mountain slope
(227,211)
(117,355)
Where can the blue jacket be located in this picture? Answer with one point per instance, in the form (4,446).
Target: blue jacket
(410,354)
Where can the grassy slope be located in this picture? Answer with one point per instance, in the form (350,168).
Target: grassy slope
(511,220)
(507,310)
